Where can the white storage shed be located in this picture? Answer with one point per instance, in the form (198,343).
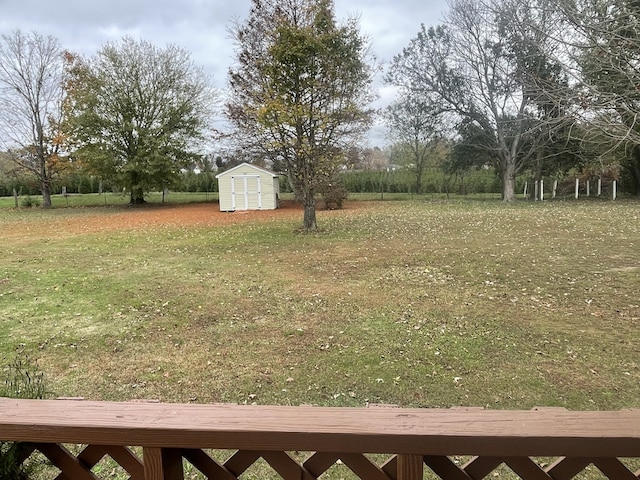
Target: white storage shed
(247,187)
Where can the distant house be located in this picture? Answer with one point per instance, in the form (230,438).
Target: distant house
(247,187)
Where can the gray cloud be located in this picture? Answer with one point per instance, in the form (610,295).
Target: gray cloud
(201,26)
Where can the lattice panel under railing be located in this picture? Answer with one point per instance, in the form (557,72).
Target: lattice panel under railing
(293,465)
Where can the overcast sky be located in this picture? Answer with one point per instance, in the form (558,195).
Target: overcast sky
(201,26)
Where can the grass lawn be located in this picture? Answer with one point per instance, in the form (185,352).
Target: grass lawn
(108,199)
(418,302)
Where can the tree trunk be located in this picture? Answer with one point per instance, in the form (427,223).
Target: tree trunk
(508,181)
(46,194)
(45,183)
(634,170)
(309,222)
(419,181)
(297,193)
(137,196)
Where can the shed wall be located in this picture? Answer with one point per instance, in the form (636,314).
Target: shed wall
(248,188)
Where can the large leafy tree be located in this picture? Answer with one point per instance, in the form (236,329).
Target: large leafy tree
(138,113)
(605,47)
(484,73)
(300,90)
(31,96)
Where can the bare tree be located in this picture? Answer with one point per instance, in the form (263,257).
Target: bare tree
(604,56)
(415,129)
(31,95)
(480,68)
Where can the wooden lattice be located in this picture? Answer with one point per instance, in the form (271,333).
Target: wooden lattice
(161,441)
(285,465)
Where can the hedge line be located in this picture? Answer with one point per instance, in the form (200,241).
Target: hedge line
(367,181)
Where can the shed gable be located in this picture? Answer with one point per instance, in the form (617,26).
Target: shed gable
(247,187)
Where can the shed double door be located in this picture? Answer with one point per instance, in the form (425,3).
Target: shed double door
(246,193)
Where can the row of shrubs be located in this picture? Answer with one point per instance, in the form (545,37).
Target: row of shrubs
(364,181)
(188,182)
(433,181)
(369,181)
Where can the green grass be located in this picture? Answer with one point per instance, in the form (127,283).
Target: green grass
(109,199)
(416,303)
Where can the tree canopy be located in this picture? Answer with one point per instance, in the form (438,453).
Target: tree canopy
(603,55)
(416,130)
(531,87)
(300,90)
(483,70)
(138,113)
(31,96)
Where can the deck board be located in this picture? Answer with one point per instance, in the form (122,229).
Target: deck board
(279,428)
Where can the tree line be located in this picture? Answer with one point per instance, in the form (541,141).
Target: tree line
(524,88)
(530,87)
(379,181)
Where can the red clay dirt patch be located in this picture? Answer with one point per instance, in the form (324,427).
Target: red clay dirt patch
(193,214)
(147,216)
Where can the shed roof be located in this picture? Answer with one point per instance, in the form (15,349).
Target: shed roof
(245,164)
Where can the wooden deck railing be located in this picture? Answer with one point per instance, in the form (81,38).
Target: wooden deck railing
(154,441)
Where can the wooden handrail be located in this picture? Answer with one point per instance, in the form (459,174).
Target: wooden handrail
(168,432)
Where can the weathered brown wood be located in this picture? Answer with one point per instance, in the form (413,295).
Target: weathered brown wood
(567,468)
(153,468)
(123,456)
(240,461)
(127,460)
(445,468)
(207,465)
(480,467)
(363,467)
(88,457)
(24,452)
(614,469)
(411,431)
(527,468)
(162,464)
(286,466)
(410,467)
(320,462)
(92,454)
(70,466)
(390,467)
(167,432)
